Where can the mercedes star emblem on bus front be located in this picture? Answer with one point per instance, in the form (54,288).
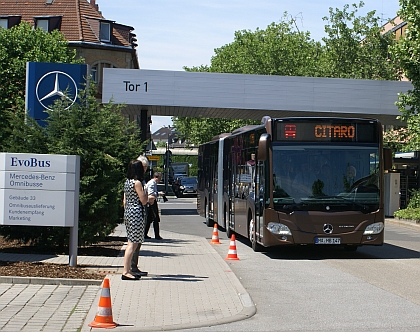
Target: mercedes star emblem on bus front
(53,85)
(328,228)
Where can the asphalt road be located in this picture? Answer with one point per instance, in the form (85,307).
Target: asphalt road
(319,289)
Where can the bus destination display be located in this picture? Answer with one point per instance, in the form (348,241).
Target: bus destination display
(330,132)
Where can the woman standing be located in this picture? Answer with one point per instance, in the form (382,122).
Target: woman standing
(135,197)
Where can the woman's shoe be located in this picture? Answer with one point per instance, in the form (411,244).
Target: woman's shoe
(140,273)
(124,277)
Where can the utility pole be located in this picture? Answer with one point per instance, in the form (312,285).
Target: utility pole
(168,162)
(172,138)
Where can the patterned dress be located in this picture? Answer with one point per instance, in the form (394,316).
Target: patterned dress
(134,218)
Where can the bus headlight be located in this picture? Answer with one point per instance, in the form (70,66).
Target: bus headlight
(277,228)
(375,228)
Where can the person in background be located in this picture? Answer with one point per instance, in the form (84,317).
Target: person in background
(304,180)
(327,178)
(135,197)
(153,210)
(135,259)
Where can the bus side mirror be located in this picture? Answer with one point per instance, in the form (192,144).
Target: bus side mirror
(263,145)
(387,158)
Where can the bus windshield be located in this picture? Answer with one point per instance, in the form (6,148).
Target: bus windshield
(324,177)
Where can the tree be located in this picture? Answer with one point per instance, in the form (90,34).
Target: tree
(200,130)
(280,49)
(19,45)
(105,142)
(356,47)
(407,56)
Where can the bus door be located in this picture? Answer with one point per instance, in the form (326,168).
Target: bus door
(213,187)
(260,199)
(232,188)
(240,204)
(244,192)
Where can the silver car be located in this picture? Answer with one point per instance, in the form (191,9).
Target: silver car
(188,186)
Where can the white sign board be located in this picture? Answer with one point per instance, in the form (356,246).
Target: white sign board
(39,189)
(372,98)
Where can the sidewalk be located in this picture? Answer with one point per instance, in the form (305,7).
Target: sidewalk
(189,285)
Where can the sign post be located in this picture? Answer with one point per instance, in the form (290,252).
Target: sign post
(41,190)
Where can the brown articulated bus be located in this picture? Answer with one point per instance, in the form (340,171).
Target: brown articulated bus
(297,181)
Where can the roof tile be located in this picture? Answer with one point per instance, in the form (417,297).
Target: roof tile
(79,18)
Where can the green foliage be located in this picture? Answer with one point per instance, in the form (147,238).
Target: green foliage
(411,214)
(103,138)
(280,49)
(414,199)
(407,56)
(412,211)
(355,46)
(19,45)
(105,142)
(197,131)
(192,160)
(24,134)
(160,144)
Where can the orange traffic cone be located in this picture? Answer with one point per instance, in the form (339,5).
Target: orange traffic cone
(215,236)
(103,316)
(232,249)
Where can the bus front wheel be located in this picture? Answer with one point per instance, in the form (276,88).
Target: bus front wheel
(253,237)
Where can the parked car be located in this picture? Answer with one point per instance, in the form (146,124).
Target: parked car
(185,186)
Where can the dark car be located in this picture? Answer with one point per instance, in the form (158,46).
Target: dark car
(185,186)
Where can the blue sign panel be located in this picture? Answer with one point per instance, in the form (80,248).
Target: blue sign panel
(47,82)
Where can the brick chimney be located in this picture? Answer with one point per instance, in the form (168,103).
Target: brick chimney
(94,5)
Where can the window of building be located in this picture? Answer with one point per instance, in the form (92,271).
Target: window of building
(105,32)
(43,24)
(4,23)
(96,72)
(48,23)
(9,21)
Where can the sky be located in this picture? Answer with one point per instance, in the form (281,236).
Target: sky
(173,34)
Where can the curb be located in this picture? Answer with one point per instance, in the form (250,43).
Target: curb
(405,223)
(49,281)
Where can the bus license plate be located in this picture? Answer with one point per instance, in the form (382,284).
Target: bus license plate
(327,240)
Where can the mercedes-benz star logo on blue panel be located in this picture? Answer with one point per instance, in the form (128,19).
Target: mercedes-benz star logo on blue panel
(53,85)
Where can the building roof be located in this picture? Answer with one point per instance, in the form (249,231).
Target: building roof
(80,18)
(163,134)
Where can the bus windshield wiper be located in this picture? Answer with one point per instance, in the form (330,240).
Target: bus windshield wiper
(324,200)
(340,199)
(364,207)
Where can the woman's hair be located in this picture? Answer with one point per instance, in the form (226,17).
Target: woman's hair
(135,170)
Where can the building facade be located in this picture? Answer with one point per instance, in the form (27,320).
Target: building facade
(101,42)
